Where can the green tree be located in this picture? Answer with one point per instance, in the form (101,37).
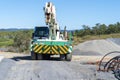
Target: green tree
(102,29)
(22,40)
(111,29)
(86,29)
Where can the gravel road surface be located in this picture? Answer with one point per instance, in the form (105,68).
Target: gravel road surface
(48,70)
(11,69)
(21,67)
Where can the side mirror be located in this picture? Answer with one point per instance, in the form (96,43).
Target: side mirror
(32,35)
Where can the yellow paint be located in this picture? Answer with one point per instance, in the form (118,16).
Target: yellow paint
(54,50)
(39,48)
(35,47)
(62,49)
(47,50)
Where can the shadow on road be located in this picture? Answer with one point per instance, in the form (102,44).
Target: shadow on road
(18,58)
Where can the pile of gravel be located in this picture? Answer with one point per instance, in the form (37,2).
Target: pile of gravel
(96,47)
(115,40)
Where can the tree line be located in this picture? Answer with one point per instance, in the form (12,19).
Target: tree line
(98,29)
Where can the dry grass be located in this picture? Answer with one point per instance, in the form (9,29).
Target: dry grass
(78,40)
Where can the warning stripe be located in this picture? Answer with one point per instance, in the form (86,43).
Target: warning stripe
(54,50)
(38,49)
(62,49)
(45,51)
(66,48)
(48,52)
(61,52)
(45,46)
(56,47)
(35,47)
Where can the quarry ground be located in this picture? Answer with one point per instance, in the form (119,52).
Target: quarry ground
(16,66)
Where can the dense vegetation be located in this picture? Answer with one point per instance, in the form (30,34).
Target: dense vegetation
(98,29)
(19,40)
(16,41)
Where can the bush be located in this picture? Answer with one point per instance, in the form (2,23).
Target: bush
(22,41)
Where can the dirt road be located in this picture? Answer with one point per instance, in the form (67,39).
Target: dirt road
(21,67)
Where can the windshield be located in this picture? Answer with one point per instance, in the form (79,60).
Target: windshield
(41,32)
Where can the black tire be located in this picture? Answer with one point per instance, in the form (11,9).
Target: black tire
(62,57)
(39,56)
(46,56)
(68,57)
(33,56)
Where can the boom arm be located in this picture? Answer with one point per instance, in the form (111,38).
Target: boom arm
(50,19)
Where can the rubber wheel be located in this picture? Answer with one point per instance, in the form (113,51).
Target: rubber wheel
(46,56)
(68,57)
(39,56)
(62,57)
(33,55)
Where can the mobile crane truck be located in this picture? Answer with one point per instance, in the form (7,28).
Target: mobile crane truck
(48,40)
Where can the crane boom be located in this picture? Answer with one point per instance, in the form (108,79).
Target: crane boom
(50,19)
